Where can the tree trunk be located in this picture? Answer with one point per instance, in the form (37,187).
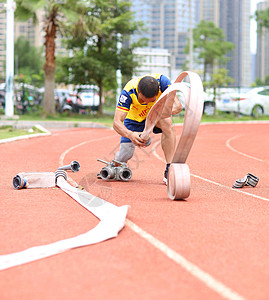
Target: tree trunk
(49,101)
(49,66)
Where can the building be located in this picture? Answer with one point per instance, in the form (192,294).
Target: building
(153,60)
(167,25)
(2,42)
(233,17)
(262,56)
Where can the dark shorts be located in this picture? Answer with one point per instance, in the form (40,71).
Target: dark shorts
(138,127)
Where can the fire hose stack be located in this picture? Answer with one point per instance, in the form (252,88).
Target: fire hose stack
(42,179)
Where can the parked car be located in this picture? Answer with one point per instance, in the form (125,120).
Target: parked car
(254,102)
(64,99)
(88,97)
(208,101)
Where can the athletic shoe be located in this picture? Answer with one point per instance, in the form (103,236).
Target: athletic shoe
(165,176)
(166,173)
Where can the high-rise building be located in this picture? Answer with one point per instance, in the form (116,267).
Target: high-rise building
(2,41)
(167,25)
(262,56)
(233,17)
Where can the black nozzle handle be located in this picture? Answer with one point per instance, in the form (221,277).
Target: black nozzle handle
(74,166)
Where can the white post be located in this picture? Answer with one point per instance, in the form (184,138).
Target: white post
(118,73)
(9,105)
(191,38)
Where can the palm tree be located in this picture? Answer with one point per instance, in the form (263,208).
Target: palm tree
(58,14)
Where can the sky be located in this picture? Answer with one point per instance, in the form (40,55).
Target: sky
(253,26)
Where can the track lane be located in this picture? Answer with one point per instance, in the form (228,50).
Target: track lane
(184,220)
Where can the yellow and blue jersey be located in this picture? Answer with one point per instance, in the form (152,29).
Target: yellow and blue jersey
(136,111)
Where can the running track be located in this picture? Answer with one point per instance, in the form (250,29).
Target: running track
(214,245)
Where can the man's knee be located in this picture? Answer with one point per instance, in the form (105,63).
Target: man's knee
(166,125)
(126,152)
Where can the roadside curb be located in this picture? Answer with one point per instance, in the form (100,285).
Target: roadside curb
(50,124)
(42,126)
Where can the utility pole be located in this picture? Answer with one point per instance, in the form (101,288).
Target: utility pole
(9,105)
(191,38)
(118,73)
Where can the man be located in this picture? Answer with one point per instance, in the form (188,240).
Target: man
(135,102)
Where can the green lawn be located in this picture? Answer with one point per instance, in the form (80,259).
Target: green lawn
(9,132)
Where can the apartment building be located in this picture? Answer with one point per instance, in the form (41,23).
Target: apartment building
(262,56)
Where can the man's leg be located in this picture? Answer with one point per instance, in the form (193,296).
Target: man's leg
(125,153)
(168,138)
(168,142)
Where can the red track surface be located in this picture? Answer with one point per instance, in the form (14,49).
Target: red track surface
(214,245)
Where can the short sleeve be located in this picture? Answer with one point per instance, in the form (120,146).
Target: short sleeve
(164,83)
(124,102)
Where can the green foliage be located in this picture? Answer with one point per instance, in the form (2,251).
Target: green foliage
(260,82)
(262,18)
(210,44)
(28,62)
(96,55)
(220,78)
(58,14)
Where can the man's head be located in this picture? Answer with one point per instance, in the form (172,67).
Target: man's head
(148,89)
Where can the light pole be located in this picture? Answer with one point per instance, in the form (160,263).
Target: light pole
(118,73)
(9,105)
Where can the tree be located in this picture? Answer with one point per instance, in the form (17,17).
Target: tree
(57,15)
(260,82)
(28,62)
(210,45)
(262,18)
(220,78)
(96,53)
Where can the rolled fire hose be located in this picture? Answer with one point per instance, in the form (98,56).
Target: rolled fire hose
(41,179)
(178,186)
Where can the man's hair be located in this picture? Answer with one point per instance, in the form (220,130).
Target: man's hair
(148,86)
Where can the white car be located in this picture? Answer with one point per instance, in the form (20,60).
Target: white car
(208,101)
(88,97)
(254,103)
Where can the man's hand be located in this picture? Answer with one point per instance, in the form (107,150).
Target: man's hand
(136,139)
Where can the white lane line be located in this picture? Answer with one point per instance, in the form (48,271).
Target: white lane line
(195,271)
(208,180)
(62,156)
(230,188)
(239,152)
(204,277)
(81,144)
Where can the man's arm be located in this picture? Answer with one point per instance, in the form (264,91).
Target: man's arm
(120,128)
(164,84)
(177,106)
